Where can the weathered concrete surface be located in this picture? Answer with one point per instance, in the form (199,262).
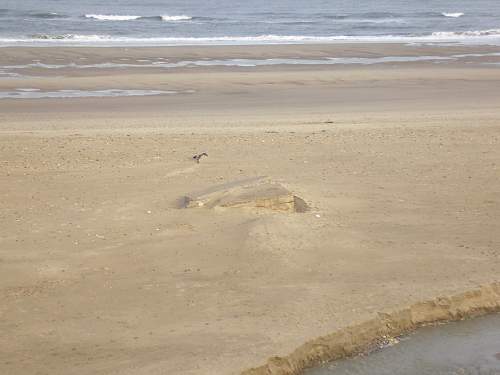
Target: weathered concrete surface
(257,192)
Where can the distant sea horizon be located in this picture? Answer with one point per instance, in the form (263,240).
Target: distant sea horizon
(150,22)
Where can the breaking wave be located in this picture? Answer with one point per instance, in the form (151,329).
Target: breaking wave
(438,36)
(83,38)
(176,18)
(465,34)
(453,15)
(111,17)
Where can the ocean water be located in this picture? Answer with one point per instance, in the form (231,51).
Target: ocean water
(167,22)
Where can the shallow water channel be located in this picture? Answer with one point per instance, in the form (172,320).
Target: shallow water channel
(470,347)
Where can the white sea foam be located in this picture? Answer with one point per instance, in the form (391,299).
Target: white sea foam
(453,15)
(104,17)
(62,38)
(4,74)
(466,34)
(326,61)
(176,18)
(252,62)
(38,94)
(474,36)
(28,90)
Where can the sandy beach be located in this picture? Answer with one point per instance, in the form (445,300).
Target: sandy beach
(101,272)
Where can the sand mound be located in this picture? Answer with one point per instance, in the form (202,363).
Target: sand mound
(257,192)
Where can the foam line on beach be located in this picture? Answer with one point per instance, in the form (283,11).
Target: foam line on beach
(4,74)
(236,63)
(62,94)
(162,64)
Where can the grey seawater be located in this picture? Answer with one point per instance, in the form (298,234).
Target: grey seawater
(470,347)
(242,21)
(12,70)
(62,94)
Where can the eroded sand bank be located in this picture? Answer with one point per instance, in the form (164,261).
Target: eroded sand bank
(384,328)
(466,346)
(102,273)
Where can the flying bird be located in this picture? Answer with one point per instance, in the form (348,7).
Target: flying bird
(198,157)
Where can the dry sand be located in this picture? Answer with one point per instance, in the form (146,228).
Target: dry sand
(102,273)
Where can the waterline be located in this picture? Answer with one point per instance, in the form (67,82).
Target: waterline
(466,347)
(38,94)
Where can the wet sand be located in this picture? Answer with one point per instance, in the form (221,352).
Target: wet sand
(252,97)
(102,273)
(86,55)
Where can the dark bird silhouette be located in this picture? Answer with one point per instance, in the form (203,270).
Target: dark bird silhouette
(198,157)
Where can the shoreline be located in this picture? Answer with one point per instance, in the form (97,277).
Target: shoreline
(102,272)
(18,54)
(244,95)
(386,326)
(475,38)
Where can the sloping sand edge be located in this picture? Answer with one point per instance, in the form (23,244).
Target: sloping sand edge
(386,325)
